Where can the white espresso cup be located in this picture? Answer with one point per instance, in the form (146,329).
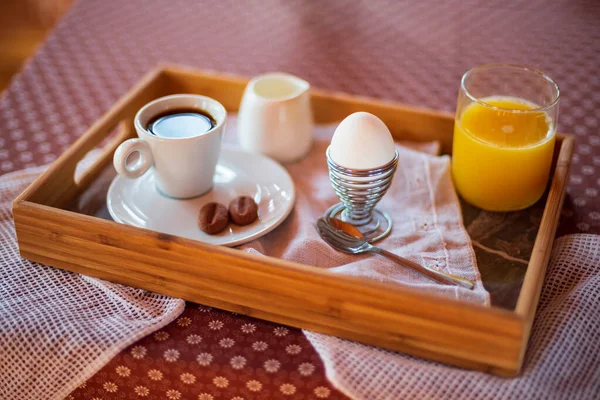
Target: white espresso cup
(275,117)
(183,166)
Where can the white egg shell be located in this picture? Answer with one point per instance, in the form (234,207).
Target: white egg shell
(362,141)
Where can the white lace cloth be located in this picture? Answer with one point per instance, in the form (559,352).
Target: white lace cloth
(58,328)
(562,362)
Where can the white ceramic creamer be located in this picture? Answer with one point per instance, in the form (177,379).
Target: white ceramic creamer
(275,117)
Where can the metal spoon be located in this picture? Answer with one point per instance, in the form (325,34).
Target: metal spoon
(346,238)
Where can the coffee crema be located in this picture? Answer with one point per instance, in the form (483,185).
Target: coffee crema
(181,123)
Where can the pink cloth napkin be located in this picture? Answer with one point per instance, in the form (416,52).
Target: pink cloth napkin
(427,222)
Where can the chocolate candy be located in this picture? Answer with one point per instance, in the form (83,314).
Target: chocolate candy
(213,218)
(243,210)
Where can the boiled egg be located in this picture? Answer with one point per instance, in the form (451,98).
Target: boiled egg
(362,141)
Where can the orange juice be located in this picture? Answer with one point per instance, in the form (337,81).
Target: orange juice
(501,157)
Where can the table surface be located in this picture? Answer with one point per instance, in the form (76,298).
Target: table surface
(414,52)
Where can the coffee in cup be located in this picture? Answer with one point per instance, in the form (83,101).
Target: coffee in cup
(181,123)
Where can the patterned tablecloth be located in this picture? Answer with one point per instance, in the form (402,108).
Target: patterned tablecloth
(413,52)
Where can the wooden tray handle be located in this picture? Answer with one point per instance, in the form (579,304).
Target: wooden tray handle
(81,178)
(58,184)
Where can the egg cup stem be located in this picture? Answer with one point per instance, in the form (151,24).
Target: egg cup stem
(359,192)
(378,228)
(351,218)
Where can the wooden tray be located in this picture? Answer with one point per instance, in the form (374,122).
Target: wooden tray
(489,339)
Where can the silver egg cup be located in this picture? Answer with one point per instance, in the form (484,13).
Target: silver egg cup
(359,191)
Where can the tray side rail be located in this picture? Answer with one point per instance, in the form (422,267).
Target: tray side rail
(308,297)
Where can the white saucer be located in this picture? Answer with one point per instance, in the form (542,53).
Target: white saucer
(137,202)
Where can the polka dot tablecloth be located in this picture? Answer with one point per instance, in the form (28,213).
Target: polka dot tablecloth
(413,52)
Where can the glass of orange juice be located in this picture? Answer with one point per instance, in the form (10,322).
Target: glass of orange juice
(504,135)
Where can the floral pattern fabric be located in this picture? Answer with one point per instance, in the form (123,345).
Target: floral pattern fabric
(209,354)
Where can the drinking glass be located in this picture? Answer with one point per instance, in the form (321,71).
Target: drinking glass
(504,134)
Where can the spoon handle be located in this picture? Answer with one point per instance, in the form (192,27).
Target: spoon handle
(437,276)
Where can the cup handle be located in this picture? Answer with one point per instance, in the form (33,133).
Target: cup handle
(129,168)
